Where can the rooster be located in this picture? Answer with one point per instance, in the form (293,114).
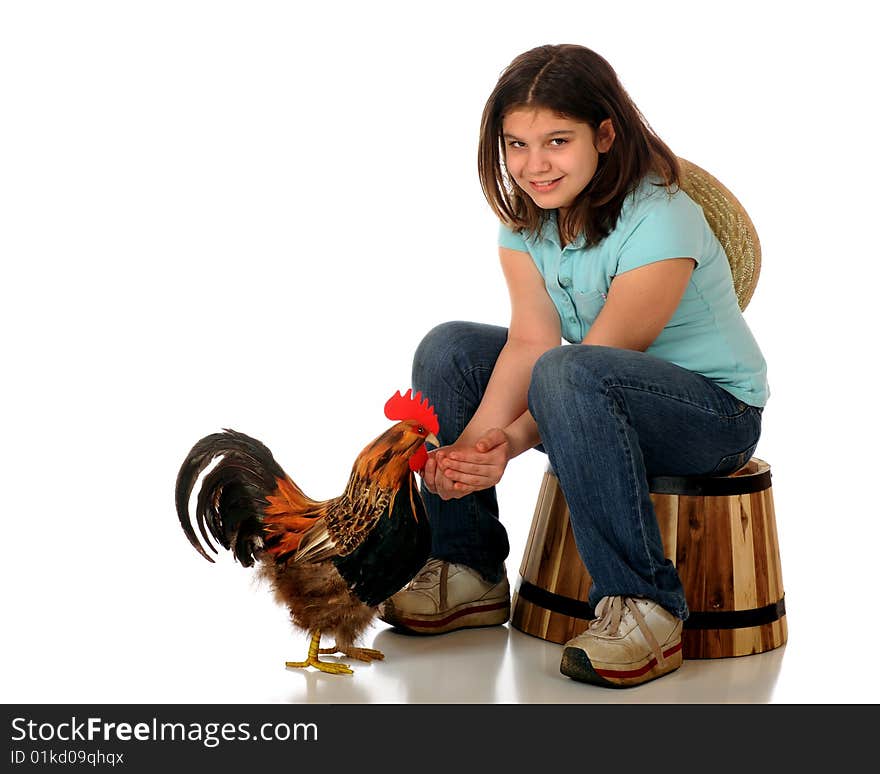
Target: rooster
(331,562)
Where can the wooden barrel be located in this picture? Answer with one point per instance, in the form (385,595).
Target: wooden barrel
(719,531)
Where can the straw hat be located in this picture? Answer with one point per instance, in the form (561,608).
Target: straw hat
(731,224)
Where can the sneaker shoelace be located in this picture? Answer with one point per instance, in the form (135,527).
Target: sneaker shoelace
(428,576)
(610,613)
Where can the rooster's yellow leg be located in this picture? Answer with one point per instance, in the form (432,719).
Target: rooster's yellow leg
(361,654)
(313,660)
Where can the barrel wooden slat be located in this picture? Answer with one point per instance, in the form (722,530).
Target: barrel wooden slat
(555,625)
(778,632)
(717,546)
(745,593)
(745,580)
(552,563)
(698,563)
(725,548)
(532,560)
(558,532)
(691,558)
(749,640)
(764,580)
(571,583)
(773,545)
(667,520)
(529,617)
(711,584)
(775,635)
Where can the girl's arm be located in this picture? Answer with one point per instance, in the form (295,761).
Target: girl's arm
(534,328)
(640,302)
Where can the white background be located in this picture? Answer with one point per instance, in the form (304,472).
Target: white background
(247,214)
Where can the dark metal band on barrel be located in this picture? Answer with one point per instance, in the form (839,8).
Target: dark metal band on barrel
(712,619)
(709,486)
(736,619)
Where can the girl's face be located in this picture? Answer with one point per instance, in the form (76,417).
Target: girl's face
(550,157)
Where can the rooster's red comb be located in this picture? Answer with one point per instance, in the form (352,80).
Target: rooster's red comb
(401,407)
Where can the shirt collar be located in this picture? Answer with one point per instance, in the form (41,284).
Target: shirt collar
(551,232)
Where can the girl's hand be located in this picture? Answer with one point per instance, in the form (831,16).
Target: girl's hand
(437,482)
(479,467)
(429,474)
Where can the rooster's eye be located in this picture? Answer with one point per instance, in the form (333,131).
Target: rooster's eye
(421,430)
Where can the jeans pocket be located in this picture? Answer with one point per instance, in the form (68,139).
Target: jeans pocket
(733,462)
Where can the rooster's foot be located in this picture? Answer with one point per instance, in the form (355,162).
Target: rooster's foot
(312,659)
(361,654)
(331,668)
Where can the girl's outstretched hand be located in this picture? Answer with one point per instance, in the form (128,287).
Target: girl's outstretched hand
(478,467)
(429,474)
(437,482)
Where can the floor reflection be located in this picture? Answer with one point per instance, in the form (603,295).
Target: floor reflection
(740,680)
(457,667)
(502,665)
(746,679)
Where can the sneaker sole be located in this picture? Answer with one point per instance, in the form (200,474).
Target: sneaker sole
(577,665)
(468,616)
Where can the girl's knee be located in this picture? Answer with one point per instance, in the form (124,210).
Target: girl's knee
(546,384)
(547,368)
(451,346)
(563,372)
(437,346)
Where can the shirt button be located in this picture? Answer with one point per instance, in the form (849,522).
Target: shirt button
(573,319)
(565,281)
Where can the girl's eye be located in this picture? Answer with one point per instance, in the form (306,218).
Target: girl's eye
(559,141)
(516,144)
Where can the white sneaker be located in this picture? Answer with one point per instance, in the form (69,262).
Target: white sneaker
(629,642)
(443,597)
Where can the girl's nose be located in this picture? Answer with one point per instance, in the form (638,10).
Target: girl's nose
(537,162)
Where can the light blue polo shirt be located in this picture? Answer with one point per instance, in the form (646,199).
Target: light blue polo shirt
(707,333)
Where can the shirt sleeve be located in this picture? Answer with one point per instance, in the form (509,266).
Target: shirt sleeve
(510,239)
(668,227)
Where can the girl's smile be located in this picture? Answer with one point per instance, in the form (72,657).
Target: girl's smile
(543,187)
(552,158)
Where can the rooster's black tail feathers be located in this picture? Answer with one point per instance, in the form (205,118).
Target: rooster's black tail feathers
(232,496)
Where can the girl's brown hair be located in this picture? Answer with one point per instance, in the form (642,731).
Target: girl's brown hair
(578,84)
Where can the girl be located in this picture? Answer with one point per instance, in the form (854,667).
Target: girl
(661,375)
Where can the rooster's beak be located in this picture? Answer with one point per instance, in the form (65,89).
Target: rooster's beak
(431,438)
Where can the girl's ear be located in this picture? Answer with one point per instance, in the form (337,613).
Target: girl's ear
(605,136)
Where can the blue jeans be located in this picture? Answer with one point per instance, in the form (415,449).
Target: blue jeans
(609,419)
